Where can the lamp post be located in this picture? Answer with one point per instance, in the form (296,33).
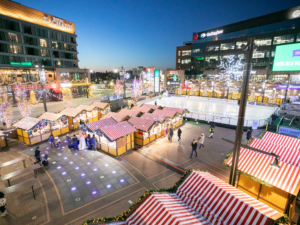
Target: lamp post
(213,85)
(249,49)
(42,79)
(264,87)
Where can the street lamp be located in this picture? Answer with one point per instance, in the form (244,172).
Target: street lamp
(249,49)
(264,87)
(43,79)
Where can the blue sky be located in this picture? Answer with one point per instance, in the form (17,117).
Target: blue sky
(115,33)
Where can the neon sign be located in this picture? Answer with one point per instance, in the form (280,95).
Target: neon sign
(212,33)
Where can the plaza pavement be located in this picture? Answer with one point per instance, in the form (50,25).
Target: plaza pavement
(114,185)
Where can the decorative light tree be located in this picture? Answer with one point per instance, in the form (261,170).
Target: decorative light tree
(90,90)
(6,111)
(234,94)
(141,86)
(118,87)
(33,100)
(180,89)
(24,105)
(252,96)
(205,92)
(67,96)
(192,92)
(272,100)
(135,88)
(150,86)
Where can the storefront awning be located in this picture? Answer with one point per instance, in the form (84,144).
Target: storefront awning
(141,123)
(282,140)
(27,123)
(52,117)
(117,131)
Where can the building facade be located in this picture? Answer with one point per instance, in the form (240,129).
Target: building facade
(203,55)
(29,39)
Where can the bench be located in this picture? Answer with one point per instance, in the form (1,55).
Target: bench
(20,186)
(18,172)
(13,162)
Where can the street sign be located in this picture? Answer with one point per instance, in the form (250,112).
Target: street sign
(156,81)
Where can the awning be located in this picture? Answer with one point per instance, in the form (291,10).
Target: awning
(282,140)
(141,123)
(258,165)
(221,203)
(27,123)
(52,117)
(116,131)
(97,125)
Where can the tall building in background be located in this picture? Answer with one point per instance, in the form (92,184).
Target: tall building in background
(30,38)
(204,53)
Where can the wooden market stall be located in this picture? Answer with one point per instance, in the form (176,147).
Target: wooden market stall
(276,187)
(170,116)
(130,112)
(73,116)
(146,130)
(159,118)
(117,116)
(151,106)
(54,123)
(29,130)
(178,119)
(89,113)
(2,140)
(142,109)
(116,139)
(103,108)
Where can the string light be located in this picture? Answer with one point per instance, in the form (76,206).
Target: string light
(23,105)
(118,87)
(6,111)
(67,96)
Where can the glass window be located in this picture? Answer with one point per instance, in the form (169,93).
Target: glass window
(4,59)
(284,39)
(226,56)
(263,42)
(2,36)
(186,52)
(178,53)
(16,59)
(3,47)
(43,43)
(17,49)
(30,41)
(268,54)
(13,37)
(27,29)
(212,48)
(212,57)
(185,61)
(298,37)
(198,50)
(45,53)
(227,46)
(259,54)
(32,51)
(57,62)
(241,56)
(178,60)
(11,25)
(240,43)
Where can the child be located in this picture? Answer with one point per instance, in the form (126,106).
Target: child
(2,205)
(58,143)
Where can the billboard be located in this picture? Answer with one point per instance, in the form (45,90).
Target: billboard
(287,58)
(156,81)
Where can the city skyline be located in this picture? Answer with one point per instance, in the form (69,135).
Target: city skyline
(152,31)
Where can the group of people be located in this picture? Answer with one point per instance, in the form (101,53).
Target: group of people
(39,158)
(82,142)
(52,142)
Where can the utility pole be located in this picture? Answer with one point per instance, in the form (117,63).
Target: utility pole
(42,79)
(239,130)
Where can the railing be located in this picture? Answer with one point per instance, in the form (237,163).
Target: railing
(279,124)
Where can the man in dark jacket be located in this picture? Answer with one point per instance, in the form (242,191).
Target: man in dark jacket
(194,147)
(69,141)
(273,118)
(179,132)
(94,142)
(249,134)
(75,144)
(51,140)
(171,133)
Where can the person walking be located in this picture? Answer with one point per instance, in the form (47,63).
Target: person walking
(2,205)
(211,131)
(88,141)
(37,155)
(273,118)
(201,140)
(171,133)
(45,159)
(51,140)
(249,134)
(58,143)
(69,141)
(155,103)
(75,142)
(179,132)
(94,142)
(194,148)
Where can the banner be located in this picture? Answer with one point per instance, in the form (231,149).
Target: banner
(255,125)
(289,131)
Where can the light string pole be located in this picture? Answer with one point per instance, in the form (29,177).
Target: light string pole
(249,49)
(43,78)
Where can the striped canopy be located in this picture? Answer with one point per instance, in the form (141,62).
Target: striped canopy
(71,112)
(116,131)
(87,108)
(165,209)
(100,105)
(141,123)
(282,140)
(129,112)
(221,203)
(49,116)
(27,123)
(116,116)
(258,165)
(287,155)
(97,125)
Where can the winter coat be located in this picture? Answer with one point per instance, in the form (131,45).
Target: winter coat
(179,132)
(201,139)
(194,145)
(211,130)
(2,202)
(69,141)
(171,131)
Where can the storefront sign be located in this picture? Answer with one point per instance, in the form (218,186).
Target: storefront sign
(175,77)
(289,131)
(280,86)
(57,22)
(21,63)
(173,83)
(63,85)
(156,81)
(255,125)
(287,58)
(212,33)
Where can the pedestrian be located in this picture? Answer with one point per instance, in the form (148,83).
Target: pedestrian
(58,143)
(69,141)
(179,132)
(166,132)
(2,205)
(51,140)
(37,155)
(249,134)
(88,141)
(155,103)
(171,133)
(201,140)
(94,142)
(75,142)
(132,105)
(45,159)
(194,148)
(213,125)
(211,131)
(273,118)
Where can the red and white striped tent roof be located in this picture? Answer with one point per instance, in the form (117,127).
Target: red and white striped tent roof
(116,131)
(221,203)
(156,117)
(171,114)
(71,112)
(278,139)
(165,209)
(129,112)
(141,109)
(141,123)
(258,165)
(116,116)
(27,123)
(150,106)
(49,116)
(100,105)
(97,125)
(287,155)
(87,108)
